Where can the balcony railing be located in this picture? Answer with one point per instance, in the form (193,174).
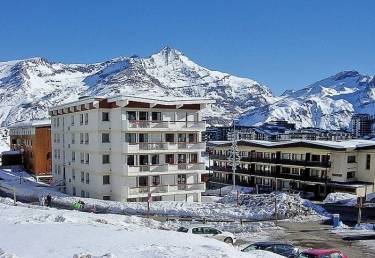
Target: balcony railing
(160,189)
(136,146)
(250,172)
(148,124)
(305,163)
(166,167)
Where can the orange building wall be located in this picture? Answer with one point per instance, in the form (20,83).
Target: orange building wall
(37,158)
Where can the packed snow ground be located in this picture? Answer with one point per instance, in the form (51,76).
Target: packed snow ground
(32,231)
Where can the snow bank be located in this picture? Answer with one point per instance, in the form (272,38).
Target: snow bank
(341,198)
(288,205)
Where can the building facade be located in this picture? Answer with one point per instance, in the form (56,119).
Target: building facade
(128,148)
(33,141)
(362,125)
(319,167)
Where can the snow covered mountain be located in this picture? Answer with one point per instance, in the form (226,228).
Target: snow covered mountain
(29,87)
(329,103)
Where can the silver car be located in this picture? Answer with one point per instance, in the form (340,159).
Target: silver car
(207,231)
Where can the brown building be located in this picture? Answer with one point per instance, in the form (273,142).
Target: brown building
(33,140)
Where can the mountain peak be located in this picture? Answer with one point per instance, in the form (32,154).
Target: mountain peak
(346,74)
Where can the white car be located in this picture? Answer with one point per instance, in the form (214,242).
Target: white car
(207,231)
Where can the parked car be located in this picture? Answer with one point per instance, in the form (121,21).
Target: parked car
(322,253)
(207,231)
(280,248)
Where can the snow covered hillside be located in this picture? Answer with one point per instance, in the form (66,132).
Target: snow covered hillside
(329,103)
(29,87)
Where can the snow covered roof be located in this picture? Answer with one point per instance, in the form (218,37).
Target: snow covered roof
(124,98)
(32,123)
(333,145)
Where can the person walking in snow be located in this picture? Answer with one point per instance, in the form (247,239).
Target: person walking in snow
(49,200)
(42,200)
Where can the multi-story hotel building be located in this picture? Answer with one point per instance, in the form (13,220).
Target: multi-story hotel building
(33,141)
(126,148)
(311,166)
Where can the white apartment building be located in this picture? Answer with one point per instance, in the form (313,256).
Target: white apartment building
(124,148)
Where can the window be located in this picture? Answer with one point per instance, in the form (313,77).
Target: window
(351,159)
(143,115)
(72,120)
(105,116)
(87,138)
(87,158)
(82,157)
(156,180)
(131,115)
(106,180)
(169,137)
(192,137)
(169,158)
(315,158)
(154,159)
(350,175)
(105,137)
(181,137)
(87,178)
(368,161)
(156,116)
(193,158)
(105,159)
(73,174)
(82,193)
(82,176)
(73,156)
(143,181)
(143,137)
(143,160)
(106,197)
(87,195)
(73,138)
(81,119)
(86,118)
(130,137)
(81,135)
(182,158)
(74,191)
(130,160)
(197,231)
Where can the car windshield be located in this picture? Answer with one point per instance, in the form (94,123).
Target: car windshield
(182,229)
(250,248)
(305,255)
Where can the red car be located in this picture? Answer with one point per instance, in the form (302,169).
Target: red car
(322,253)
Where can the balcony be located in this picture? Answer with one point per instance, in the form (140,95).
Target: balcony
(305,178)
(304,163)
(165,189)
(158,125)
(165,168)
(147,168)
(160,146)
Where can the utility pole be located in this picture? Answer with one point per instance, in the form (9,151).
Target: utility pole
(275,210)
(234,155)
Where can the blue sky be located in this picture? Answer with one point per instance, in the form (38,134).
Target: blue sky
(282,44)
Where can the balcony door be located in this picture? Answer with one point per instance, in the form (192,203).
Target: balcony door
(142,181)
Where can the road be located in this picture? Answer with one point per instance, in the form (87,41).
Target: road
(314,235)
